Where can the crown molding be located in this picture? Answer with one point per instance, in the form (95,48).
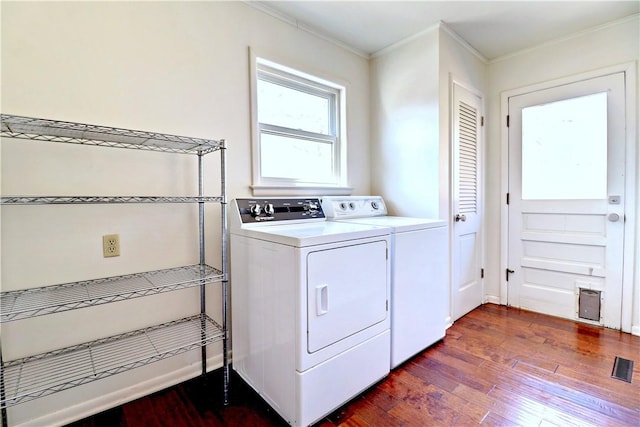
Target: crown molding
(263,7)
(463,42)
(404,41)
(575,35)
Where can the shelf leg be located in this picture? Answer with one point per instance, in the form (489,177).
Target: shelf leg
(203,307)
(225,284)
(3,396)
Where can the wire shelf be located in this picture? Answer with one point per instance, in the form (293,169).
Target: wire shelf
(78,133)
(70,296)
(36,376)
(63,200)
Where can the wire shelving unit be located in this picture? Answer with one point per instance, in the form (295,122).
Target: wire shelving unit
(40,375)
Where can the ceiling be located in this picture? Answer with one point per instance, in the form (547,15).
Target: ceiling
(493,28)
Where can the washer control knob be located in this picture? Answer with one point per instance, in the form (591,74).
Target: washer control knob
(268,209)
(375,205)
(343,206)
(352,205)
(256,210)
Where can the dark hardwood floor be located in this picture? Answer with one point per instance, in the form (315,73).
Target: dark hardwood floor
(497,366)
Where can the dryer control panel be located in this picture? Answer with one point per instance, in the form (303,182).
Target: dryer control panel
(279,209)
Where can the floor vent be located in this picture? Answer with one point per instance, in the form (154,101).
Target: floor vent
(622,369)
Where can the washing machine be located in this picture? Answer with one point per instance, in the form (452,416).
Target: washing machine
(310,305)
(419,271)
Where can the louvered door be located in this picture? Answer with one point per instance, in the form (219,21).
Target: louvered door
(466,207)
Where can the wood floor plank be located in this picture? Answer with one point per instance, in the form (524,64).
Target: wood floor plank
(455,369)
(140,413)
(430,376)
(537,410)
(414,416)
(604,388)
(571,400)
(355,421)
(366,413)
(497,366)
(495,420)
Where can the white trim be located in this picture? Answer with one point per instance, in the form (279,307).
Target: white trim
(440,25)
(632,204)
(110,400)
(629,281)
(276,190)
(264,7)
(463,42)
(504,189)
(562,39)
(404,41)
(492,299)
(448,323)
(273,187)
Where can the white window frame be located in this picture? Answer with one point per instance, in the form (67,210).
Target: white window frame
(305,82)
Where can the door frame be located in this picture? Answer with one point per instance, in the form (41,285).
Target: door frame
(631,238)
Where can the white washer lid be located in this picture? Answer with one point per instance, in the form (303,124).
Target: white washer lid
(315,233)
(398,224)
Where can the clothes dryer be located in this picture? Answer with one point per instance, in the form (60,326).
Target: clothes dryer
(310,305)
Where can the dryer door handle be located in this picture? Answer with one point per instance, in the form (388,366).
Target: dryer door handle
(322,300)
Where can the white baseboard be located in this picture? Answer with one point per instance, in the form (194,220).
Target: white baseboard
(635,330)
(121,396)
(492,299)
(448,322)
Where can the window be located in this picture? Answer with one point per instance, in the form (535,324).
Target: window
(564,149)
(298,130)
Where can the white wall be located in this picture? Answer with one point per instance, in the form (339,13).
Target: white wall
(405,94)
(174,67)
(600,48)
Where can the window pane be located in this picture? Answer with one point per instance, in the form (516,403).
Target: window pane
(564,149)
(282,106)
(291,158)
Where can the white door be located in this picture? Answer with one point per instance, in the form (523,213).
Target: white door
(466,287)
(566,200)
(346,292)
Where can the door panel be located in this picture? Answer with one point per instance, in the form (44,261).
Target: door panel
(566,187)
(466,292)
(346,292)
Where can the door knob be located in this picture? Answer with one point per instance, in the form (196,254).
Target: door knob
(460,217)
(613,217)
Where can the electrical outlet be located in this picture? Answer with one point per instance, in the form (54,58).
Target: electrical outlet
(111,245)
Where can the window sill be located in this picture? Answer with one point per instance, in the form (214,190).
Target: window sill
(303,190)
